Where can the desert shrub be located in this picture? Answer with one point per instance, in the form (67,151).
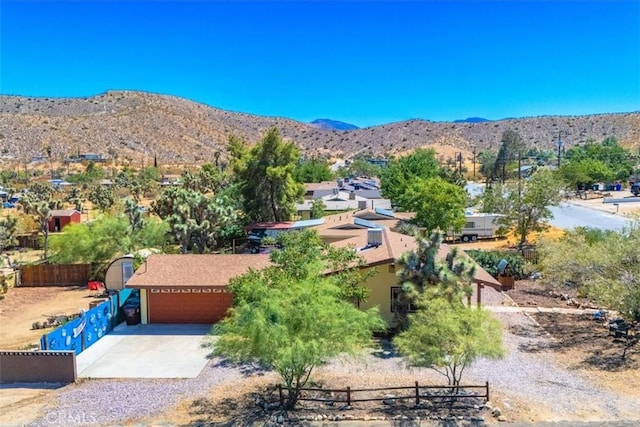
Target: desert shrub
(489,260)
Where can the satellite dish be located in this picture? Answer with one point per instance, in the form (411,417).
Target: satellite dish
(502,265)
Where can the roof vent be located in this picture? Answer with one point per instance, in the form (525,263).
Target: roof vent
(374,237)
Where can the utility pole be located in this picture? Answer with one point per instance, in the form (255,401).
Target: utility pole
(519,175)
(504,165)
(474,162)
(559,148)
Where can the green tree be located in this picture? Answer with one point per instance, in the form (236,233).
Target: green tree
(100,241)
(91,175)
(604,266)
(402,172)
(8,227)
(617,159)
(442,332)
(102,197)
(586,171)
(437,204)
(301,250)
(360,167)
(265,174)
(510,151)
(75,198)
(524,206)
(293,320)
(313,170)
(134,214)
(196,221)
(421,270)
(449,337)
(488,160)
(147,180)
(39,202)
(317,209)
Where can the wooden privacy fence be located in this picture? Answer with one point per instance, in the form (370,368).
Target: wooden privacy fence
(55,275)
(417,393)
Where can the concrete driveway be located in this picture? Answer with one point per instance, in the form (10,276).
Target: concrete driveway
(146,351)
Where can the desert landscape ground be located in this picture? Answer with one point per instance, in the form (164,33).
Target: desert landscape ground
(568,354)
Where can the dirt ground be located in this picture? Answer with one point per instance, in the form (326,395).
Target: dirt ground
(21,307)
(581,343)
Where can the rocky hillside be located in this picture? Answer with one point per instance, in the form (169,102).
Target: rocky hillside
(125,124)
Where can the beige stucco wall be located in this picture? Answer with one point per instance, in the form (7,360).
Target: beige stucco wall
(144,311)
(113,276)
(379,286)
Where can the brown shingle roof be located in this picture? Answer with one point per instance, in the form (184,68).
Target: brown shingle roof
(395,244)
(194,270)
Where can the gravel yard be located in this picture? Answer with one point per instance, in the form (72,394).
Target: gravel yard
(109,402)
(534,382)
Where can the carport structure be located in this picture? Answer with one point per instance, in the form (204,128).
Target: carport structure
(189,288)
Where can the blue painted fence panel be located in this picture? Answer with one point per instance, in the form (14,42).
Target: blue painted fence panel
(81,333)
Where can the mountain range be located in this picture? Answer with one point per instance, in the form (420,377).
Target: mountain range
(131,124)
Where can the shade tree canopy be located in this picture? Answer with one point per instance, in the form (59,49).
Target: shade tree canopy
(265,177)
(292,317)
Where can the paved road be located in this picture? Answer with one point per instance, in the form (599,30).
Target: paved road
(568,216)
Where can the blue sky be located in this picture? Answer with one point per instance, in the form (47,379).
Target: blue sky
(366,63)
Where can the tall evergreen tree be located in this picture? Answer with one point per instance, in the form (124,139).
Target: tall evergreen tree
(265,174)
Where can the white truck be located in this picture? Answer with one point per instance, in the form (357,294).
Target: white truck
(477,226)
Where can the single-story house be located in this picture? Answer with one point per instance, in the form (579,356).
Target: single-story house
(193,288)
(61,218)
(340,201)
(189,288)
(380,248)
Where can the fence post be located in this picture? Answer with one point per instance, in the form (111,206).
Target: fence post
(417,394)
(348,396)
(280,394)
(487,387)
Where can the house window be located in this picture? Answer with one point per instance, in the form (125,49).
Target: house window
(395,299)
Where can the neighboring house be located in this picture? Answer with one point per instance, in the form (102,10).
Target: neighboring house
(341,201)
(367,188)
(62,218)
(189,288)
(119,272)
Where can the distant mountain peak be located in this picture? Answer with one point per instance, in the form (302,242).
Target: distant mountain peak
(328,124)
(472,120)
